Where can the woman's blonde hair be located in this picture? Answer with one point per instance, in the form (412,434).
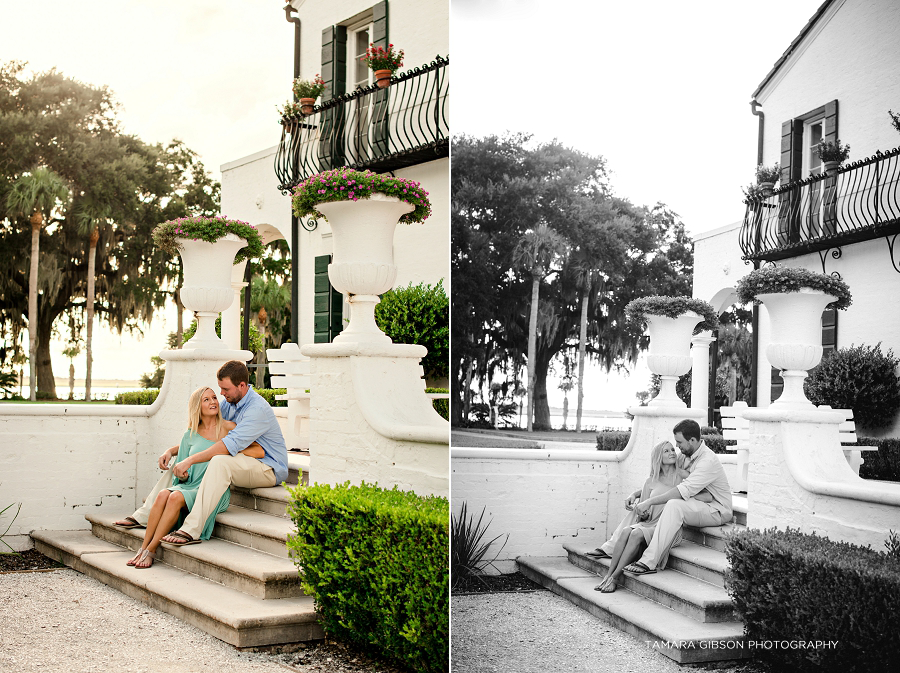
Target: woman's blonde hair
(656,460)
(194,412)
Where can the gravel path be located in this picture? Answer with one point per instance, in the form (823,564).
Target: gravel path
(540,632)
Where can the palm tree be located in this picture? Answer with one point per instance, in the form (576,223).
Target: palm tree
(589,280)
(534,253)
(37,193)
(90,213)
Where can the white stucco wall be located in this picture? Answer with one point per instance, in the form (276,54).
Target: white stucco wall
(852,56)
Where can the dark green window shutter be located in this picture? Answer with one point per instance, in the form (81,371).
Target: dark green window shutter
(380,21)
(328,304)
(787,135)
(334,72)
(829,331)
(831,121)
(380,125)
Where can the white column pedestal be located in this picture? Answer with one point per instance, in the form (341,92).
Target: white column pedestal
(700,371)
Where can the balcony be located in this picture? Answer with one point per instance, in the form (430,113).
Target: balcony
(378,129)
(859,202)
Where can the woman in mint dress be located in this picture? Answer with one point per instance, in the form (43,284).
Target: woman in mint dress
(205,427)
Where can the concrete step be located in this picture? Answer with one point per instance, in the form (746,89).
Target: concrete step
(227,614)
(254,529)
(298,468)
(714,537)
(247,570)
(739,508)
(703,563)
(673,634)
(273,500)
(691,597)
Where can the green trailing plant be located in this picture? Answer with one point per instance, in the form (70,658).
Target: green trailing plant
(375,562)
(256,343)
(290,110)
(304,88)
(787,585)
(779,279)
(347,184)
(419,314)
(833,151)
(861,378)
(209,229)
(440,406)
(379,58)
(767,173)
(12,521)
(637,310)
(468,550)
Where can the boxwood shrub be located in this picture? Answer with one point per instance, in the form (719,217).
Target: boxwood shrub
(376,562)
(440,406)
(149,395)
(883,464)
(791,586)
(618,440)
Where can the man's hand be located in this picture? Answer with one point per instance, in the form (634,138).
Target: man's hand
(254,451)
(181,469)
(166,456)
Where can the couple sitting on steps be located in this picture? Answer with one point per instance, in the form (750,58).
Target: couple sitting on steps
(239,443)
(689,489)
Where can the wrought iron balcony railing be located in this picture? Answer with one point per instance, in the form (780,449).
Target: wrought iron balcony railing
(859,202)
(402,125)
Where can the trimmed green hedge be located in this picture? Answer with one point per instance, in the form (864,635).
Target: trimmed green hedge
(440,406)
(376,562)
(883,464)
(790,586)
(146,396)
(612,440)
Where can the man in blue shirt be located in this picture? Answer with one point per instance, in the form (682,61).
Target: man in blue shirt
(255,422)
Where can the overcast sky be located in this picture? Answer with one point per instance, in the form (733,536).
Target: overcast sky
(659,88)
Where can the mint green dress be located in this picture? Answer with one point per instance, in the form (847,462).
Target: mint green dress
(192,443)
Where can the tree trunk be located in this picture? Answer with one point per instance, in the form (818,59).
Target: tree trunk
(532,347)
(45,381)
(467,391)
(71,381)
(541,403)
(36,220)
(582,344)
(92,257)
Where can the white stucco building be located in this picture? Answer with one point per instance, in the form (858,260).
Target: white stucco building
(403,130)
(837,80)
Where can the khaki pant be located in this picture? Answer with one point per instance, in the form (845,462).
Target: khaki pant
(223,471)
(675,514)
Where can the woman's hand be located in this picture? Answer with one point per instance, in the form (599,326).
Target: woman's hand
(254,451)
(181,469)
(166,456)
(642,509)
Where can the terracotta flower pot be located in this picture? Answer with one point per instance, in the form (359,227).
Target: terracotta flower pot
(363,257)
(306,105)
(383,78)
(670,354)
(796,344)
(207,284)
(831,167)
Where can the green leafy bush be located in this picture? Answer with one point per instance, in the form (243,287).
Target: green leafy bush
(419,314)
(861,378)
(440,406)
(146,396)
(255,345)
(717,444)
(884,464)
(790,586)
(376,563)
(268,394)
(613,440)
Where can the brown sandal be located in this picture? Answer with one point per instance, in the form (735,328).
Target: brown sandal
(129,522)
(136,557)
(181,540)
(145,554)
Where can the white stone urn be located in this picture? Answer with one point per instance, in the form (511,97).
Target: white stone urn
(207,284)
(796,342)
(363,262)
(670,353)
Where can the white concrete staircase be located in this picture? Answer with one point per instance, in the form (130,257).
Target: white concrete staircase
(685,610)
(239,586)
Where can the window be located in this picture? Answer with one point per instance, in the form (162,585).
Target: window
(358,73)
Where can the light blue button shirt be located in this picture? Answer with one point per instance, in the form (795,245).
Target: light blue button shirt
(256,422)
